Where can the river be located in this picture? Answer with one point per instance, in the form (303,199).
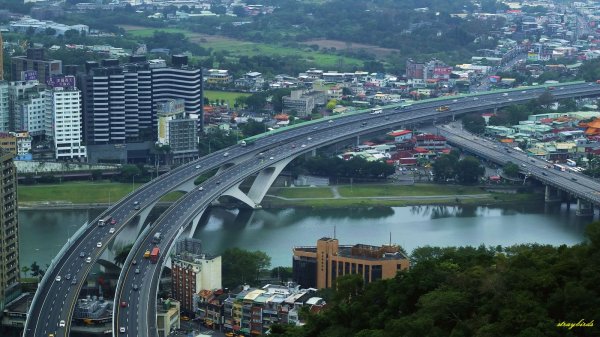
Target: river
(276,231)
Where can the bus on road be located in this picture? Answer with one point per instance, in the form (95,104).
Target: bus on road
(154,255)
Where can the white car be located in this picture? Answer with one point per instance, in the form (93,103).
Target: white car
(303,145)
(122,329)
(200,188)
(88,259)
(99,245)
(111,230)
(197,166)
(271,158)
(58,278)
(61,324)
(225,154)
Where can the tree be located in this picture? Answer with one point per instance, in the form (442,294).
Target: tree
(511,169)
(252,128)
(36,271)
(282,273)
(25,270)
(331,104)
(474,123)
(469,170)
(243,267)
(122,254)
(444,168)
(545,99)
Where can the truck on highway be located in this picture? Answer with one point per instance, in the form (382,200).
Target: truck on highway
(247,142)
(156,238)
(154,255)
(559,167)
(106,220)
(442,108)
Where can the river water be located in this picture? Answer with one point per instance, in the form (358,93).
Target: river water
(277,231)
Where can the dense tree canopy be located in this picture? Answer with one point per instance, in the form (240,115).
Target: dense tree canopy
(474,123)
(353,168)
(524,290)
(243,267)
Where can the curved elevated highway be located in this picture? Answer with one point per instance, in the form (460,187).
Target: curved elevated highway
(55,300)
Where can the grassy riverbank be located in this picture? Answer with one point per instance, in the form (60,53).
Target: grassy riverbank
(368,195)
(79,193)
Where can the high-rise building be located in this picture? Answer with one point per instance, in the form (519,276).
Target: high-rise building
(21,93)
(34,66)
(29,112)
(192,272)
(4,107)
(319,267)
(1,58)
(9,233)
(63,109)
(120,100)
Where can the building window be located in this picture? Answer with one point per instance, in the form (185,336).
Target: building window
(353,268)
(333,272)
(360,269)
(367,273)
(347,268)
(376,273)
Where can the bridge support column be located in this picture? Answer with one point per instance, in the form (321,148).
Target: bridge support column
(584,208)
(552,194)
(260,186)
(357,140)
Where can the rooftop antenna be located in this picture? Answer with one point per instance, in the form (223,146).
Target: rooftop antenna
(390,238)
(334,231)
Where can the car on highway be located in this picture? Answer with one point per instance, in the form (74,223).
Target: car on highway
(136,202)
(123,304)
(68,277)
(88,259)
(309,138)
(113,221)
(82,254)
(200,188)
(330,121)
(137,207)
(61,324)
(137,270)
(218,182)
(134,262)
(303,145)
(122,329)
(135,287)
(293,146)
(225,154)
(74,281)
(574,179)
(197,166)
(111,230)
(58,278)
(99,244)
(475,98)
(271,158)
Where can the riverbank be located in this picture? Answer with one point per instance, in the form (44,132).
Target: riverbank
(392,195)
(81,195)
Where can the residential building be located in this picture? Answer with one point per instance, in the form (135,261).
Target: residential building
(252,311)
(8,143)
(319,266)
(218,76)
(29,113)
(193,271)
(23,145)
(34,66)
(252,80)
(19,93)
(177,131)
(431,142)
(302,102)
(401,136)
(63,108)
(9,233)
(167,316)
(4,107)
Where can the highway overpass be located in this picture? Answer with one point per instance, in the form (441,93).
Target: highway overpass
(55,300)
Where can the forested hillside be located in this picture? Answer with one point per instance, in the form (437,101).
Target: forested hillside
(525,291)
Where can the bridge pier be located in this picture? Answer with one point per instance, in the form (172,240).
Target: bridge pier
(584,208)
(261,184)
(552,194)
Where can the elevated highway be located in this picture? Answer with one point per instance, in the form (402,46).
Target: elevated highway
(55,300)
(585,189)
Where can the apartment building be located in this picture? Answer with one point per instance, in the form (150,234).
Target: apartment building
(34,66)
(63,108)
(319,266)
(9,233)
(167,316)
(4,107)
(177,131)
(24,96)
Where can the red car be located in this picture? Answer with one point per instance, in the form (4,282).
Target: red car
(123,304)
(113,222)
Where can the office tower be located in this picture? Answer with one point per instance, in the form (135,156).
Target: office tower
(4,107)
(20,94)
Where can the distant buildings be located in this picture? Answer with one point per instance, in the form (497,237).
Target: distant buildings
(34,66)
(167,316)
(177,132)
(303,102)
(319,266)
(26,24)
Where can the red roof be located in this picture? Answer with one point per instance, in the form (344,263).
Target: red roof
(399,133)
(430,137)
(420,150)
(546,120)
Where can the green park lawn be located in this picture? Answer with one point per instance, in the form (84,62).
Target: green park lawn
(381,190)
(302,192)
(227,96)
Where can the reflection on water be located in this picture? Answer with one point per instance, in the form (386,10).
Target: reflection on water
(277,231)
